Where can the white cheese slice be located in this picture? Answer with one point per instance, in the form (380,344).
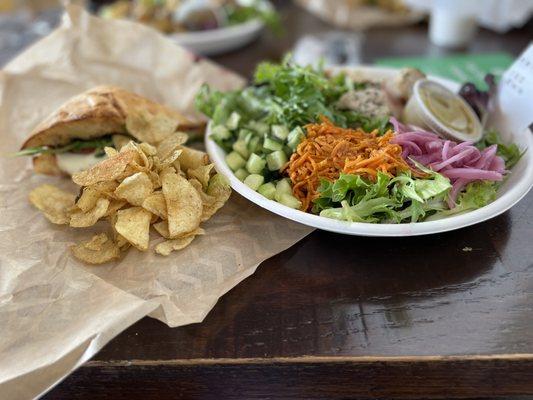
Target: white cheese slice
(76,162)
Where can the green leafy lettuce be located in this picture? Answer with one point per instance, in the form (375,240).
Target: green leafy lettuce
(509,152)
(403,198)
(476,195)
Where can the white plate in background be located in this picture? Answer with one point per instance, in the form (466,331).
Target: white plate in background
(221,40)
(513,189)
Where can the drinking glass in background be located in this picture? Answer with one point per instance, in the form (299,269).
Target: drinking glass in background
(453,23)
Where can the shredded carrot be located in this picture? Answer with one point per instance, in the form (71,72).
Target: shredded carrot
(329,150)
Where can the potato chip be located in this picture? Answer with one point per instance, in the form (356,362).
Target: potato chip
(106,170)
(191,158)
(88,198)
(150,128)
(156,204)
(144,162)
(131,145)
(53,202)
(114,206)
(202,173)
(81,219)
(170,145)
(156,181)
(134,224)
(219,189)
(110,151)
(106,188)
(135,188)
(100,249)
(170,160)
(140,162)
(97,242)
(138,186)
(177,166)
(212,202)
(121,242)
(148,149)
(162,126)
(184,205)
(119,141)
(117,237)
(206,199)
(168,246)
(162,228)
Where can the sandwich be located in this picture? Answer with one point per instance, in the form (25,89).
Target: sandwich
(73,137)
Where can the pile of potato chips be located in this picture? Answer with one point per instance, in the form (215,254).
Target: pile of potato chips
(170,187)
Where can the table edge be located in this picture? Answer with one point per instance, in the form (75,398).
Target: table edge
(312,360)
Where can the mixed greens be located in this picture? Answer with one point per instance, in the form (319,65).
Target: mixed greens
(263,129)
(399,199)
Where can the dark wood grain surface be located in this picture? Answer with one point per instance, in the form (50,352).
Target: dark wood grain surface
(338,317)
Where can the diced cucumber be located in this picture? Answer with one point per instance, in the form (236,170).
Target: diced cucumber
(253,181)
(221,113)
(283,186)
(233,120)
(254,145)
(290,201)
(235,161)
(280,131)
(240,147)
(260,127)
(241,174)
(288,151)
(221,132)
(276,160)
(255,164)
(271,144)
(268,190)
(245,134)
(295,137)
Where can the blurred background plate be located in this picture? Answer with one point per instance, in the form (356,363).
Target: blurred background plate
(360,15)
(218,41)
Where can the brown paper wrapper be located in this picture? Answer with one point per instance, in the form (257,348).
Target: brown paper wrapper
(55,312)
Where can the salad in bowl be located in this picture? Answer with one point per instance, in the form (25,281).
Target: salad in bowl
(338,145)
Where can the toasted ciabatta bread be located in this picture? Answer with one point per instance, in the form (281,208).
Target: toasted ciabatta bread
(97,112)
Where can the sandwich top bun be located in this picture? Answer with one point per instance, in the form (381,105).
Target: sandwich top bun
(100,111)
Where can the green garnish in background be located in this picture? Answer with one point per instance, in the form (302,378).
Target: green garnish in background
(240,14)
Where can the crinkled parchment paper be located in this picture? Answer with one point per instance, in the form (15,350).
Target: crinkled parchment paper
(56,313)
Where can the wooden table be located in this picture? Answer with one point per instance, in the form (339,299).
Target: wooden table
(338,317)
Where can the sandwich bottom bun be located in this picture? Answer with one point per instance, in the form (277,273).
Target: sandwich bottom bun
(46,164)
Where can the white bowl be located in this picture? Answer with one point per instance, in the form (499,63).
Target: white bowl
(217,41)
(513,189)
